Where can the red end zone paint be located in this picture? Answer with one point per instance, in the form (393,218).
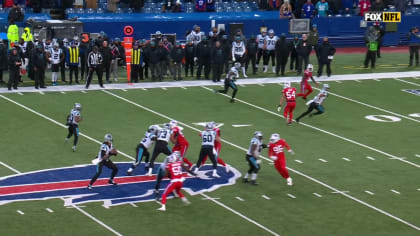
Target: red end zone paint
(30,188)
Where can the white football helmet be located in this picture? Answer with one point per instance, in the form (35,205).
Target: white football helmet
(310,67)
(274,138)
(108,138)
(258,135)
(286,84)
(152,129)
(210,126)
(77,106)
(325,87)
(177,155)
(271,32)
(173,123)
(237,65)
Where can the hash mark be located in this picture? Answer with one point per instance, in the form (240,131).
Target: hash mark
(42,93)
(20,93)
(83,91)
(377,80)
(240,199)
(265,197)
(318,195)
(323,160)
(299,161)
(20,212)
(134,205)
(49,210)
(346,159)
(291,195)
(369,192)
(370,158)
(395,191)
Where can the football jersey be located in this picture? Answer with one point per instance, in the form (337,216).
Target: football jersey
(238,48)
(277,148)
(260,41)
(148,140)
(256,142)
(55,56)
(23,47)
(306,76)
(180,138)
(289,94)
(72,116)
(48,47)
(208,138)
(175,171)
(195,37)
(271,42)
(319,99)
(233,74)
(104,147)
(164,135)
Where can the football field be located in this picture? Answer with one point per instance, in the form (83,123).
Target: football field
(356,168)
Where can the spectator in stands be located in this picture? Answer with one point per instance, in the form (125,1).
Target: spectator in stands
(335,6)
(363,6)
(274,4)
(168,5)
(347,6)
(286,10)
(137,5)
(414,44)
(113,5)
(210,5)
(322,8)
(125,3)
(401,5)
(308,10)
(263,4)
(78,4)
(200,5)
(15,14)
(177,7)
(325,53)
(377,5)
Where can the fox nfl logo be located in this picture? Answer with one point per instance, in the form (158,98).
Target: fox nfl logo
(372,16)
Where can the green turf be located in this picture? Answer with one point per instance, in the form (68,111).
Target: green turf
(34,143)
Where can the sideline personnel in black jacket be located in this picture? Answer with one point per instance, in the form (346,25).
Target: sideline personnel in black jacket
(39,62)
(282,51)
(325,51)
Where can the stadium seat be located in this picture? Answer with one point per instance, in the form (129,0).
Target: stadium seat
(100,10)
(219,9)
(68,10)
(1,10)
(190,9)
(229,9)
(90,11)
(80,11)
(247,9)
(238,9)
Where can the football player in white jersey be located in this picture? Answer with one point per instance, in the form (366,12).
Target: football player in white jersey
(316,103)
(103,159)
(238,53)
(195,35)
(48,46)
(73,120)
(56,57)
(270,44)
(208,137)
(231,76)
(253,157)
(260,41)
(161,146)
(142,149)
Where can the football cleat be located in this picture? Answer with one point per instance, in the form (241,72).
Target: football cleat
(215,175)
(245,180)
(185,201)
(254,182)
(74,148)
(227,168)
(89,187)
(162,208)
(149,173)
(130,171)
(289,181)
(157,194)
(111,181)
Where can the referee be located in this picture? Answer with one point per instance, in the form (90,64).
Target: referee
(94,61)
(316,103)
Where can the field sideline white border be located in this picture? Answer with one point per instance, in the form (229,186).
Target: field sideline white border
(198,83)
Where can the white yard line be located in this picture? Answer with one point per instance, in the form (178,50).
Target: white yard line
(9,167)
(408,82)
(371,106)
(20,93)
(346,159)
(270,161)
(417,155)
(78,208)
(369,192)
(395,191)
(83,91)
(318,195)
(325,131)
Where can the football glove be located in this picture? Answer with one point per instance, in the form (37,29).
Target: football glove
(258,161)
(291,152)
(273,158)
(278,108)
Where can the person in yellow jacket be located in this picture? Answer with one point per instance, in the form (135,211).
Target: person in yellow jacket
(13,34)
(27,35)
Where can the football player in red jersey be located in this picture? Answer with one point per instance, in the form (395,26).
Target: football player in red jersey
(305,87)
(288,94)
(174,171)
(217,148)
(276,153)
(181,143)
